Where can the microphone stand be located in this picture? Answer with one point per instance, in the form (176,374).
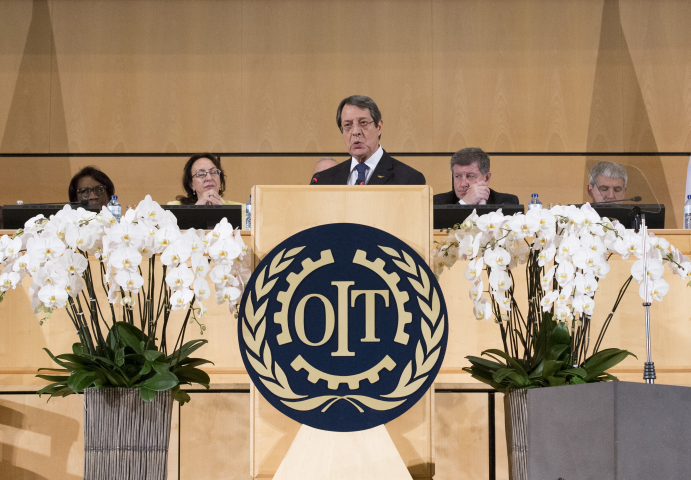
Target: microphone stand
(649,368)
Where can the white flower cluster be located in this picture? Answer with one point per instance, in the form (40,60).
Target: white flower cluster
(571,246)
(53,252)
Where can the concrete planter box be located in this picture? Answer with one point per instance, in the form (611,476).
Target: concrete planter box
(600,431)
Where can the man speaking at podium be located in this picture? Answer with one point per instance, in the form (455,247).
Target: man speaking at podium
(360,122)
(470,176)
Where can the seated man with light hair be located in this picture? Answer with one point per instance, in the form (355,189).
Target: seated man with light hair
(607,182)
(324,163)
(470,177)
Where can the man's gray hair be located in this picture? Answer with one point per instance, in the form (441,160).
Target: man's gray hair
(468,156)
(610,170)
(359,101)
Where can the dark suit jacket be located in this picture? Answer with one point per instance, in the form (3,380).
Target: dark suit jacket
(495,198)
(388,171)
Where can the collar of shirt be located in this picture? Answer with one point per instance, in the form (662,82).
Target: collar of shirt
(371,163)
(461,202)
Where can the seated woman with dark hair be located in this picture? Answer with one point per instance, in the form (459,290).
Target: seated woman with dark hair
(91,184)
(204,182)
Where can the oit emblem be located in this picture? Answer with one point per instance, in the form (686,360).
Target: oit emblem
(342,327)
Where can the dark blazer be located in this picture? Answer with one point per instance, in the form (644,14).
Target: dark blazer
(388,171)
(495,198)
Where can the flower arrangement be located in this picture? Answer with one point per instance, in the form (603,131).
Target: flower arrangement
(565,250)
(123,344)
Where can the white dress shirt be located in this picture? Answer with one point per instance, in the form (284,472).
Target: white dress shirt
(461,202)
(371,163)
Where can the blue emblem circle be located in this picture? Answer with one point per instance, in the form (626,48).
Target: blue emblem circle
(342,327)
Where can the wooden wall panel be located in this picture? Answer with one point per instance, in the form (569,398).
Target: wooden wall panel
(301,58)
(225,418)
(530,75)
(462,446)
(657,51)
(146,76)
(519,76)
(25,55)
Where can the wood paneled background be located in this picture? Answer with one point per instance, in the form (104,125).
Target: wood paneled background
(265,77)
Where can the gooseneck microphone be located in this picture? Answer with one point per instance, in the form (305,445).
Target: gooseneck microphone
(632,199)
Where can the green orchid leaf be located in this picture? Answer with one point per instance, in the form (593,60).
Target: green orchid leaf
(186,350)
(551,368)
(55,378)
(181,396)
(81,360)
(81,380)
(556,381)
(578,372)
(146,368)
(153,355)
(498,387)
(560,335)
(555,351)
(194,362)
(608,359)
(192,375)
(120,357)
(160,367)
(501,374)
(160,382)
(77,349)
(131,336)
(147,395)
(512,361)
(52,388)
(519,380)
(484,362)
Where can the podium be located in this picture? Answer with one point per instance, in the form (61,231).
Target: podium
(282,211)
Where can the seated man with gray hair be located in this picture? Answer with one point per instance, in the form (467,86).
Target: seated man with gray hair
(324,163)
(607,182)
(470,176)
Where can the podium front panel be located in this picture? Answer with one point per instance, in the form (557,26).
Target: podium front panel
(281,211)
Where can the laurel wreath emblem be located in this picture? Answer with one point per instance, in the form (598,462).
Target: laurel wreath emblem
(274,378)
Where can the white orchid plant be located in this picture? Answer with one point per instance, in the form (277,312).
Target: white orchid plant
(566,251)
(124,343)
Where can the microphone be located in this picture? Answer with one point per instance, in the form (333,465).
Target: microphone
(632,199)
(314,181)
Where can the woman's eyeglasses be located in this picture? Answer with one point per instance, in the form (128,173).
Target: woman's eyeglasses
(214,173)
(85,192)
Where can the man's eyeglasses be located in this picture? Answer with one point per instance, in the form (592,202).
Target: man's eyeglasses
(85,192)
(213,173)
(348,126)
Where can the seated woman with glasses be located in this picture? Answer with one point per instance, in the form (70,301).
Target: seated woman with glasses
(93,185)
(204,182)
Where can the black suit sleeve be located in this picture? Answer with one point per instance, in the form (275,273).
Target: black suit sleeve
(417,178)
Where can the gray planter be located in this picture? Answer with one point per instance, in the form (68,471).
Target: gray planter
(599,431)
(125,437)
